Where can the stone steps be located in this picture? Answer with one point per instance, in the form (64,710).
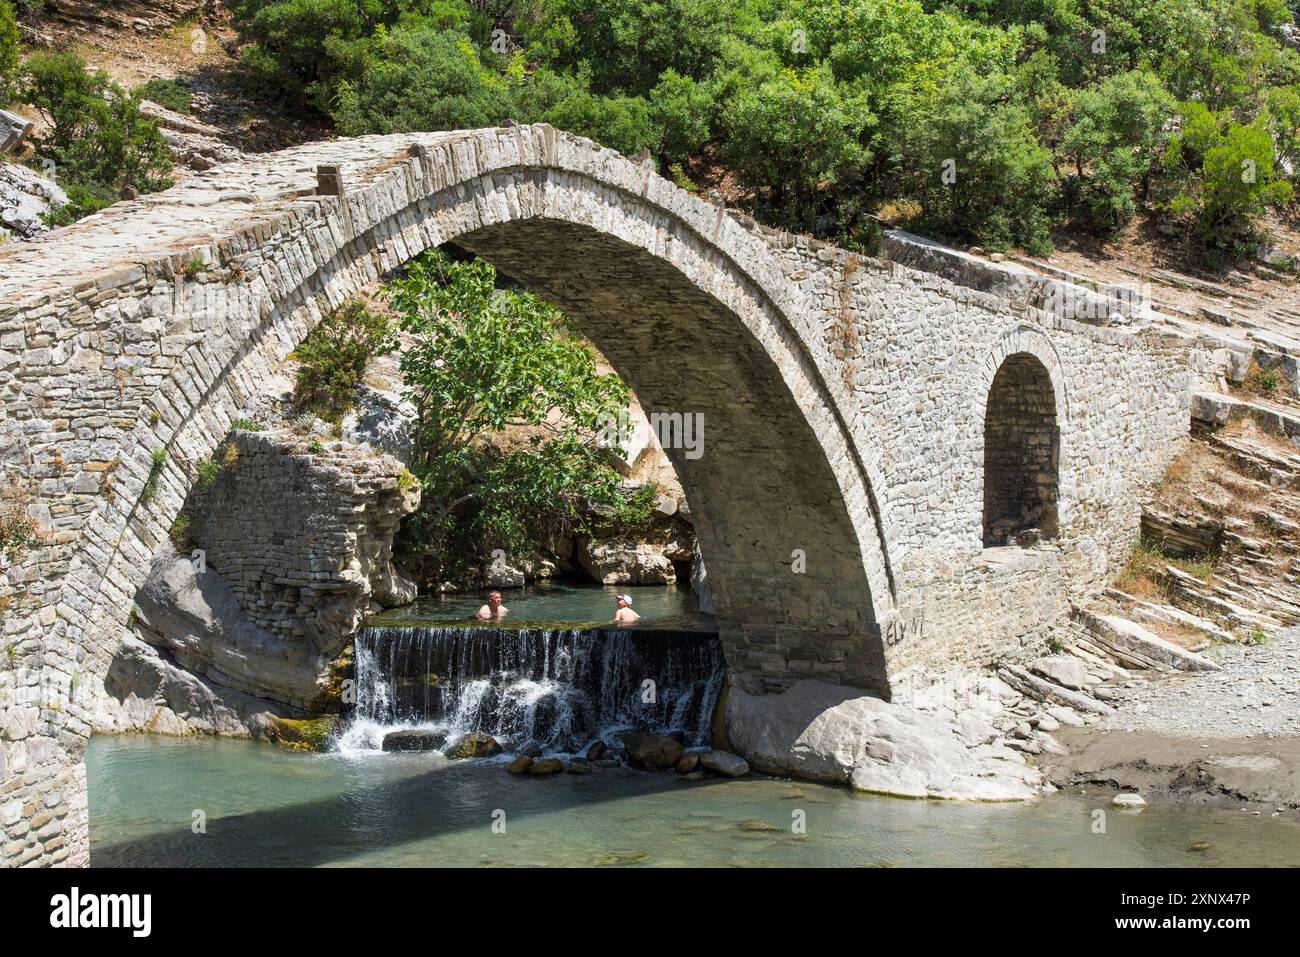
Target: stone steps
(1130,642)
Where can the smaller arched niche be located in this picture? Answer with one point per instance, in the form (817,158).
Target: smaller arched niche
(1021,454)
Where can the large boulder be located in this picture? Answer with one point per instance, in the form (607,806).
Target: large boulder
(145,690)
(13,130)
(626,562)
(651,752)
(1066,670)
(411,739)
(196,619)
(824,732)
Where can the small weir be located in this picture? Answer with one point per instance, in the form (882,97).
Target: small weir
(552,690)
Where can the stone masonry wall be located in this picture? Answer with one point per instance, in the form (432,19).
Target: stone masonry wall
(303,534)
(292,548)
(838,497)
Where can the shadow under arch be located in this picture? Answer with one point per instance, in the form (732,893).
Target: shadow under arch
(1022,452)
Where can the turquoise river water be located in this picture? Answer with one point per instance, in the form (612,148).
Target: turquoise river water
(264,806)
(559,604)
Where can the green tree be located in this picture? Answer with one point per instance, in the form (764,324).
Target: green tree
(791,136)
(483,362)
(1222,176)
(1284,124)
(626,45)
(1116,132)
(976,167)
(623,123)
(682,109)
(419,79)
(10,53)
(96,136)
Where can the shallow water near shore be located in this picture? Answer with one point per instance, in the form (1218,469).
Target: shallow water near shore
(265,806)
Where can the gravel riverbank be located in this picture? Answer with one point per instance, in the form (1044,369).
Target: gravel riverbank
(1229,737)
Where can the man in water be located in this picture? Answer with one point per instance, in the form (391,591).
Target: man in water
(625,615)
(493,608)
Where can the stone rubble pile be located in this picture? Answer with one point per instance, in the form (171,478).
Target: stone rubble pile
(25,196)
(199,146)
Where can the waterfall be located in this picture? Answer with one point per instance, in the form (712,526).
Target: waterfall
(551,690)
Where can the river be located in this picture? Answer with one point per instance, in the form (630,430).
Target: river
(261,805)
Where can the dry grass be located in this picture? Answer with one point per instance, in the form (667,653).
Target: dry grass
(1184,636)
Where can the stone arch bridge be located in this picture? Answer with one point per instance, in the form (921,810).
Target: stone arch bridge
(840,498)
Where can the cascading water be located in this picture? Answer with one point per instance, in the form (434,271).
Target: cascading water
(551,690)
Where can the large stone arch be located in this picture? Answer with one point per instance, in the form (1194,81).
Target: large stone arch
(175,307)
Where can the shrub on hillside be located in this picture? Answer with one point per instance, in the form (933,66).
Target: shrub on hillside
(96,136)
(979,172)
(1221,178)
(334,356)
(1116,131)
(421,80)
(172,94)
(10,53)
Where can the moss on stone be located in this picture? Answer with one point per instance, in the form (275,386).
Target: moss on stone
(304,734)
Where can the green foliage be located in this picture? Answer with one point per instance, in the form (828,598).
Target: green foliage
(1116,131)
(1263,381)
(980,174)
(172,94)
(1221,176)
(823,111)
(207,471)
(624,123)
(182,532)
(483,361)
(1284,123)
(787,137)
(416,79)
(679,177)
(157,462)
(333,358)
(247,425)
(681,108)
(10,53)
(96,136)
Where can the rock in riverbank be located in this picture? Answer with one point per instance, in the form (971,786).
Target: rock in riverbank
(474,745)
(652,752)
(825,732)
(411,739)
